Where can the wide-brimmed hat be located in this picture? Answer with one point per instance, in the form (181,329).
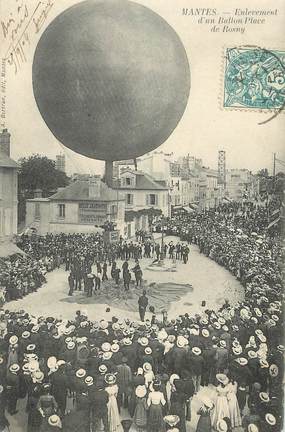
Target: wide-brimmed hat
(127,341)
(222,426)
(275,318)
(54,420)
(252,428)
(217,325)
(205,333)
(143,341)
(223,344)
(281,348)
(110,378)
(241,361)
(13,340)
(38,376)
(115,347)
(141,391)
(252,354)
(81,373)
(262,338)
(35,329)
(270,419)
(107,355)
(147,367)
(115,326)
(171,420)
(106,346)
(14,368)
(26,334)
(222,378)
(196,350)
(171,338)
(89,380)
(257,312)
(148,350)
(263,363)
(221,321)
(264,397)
(103,369)
(181,341)
(31,347)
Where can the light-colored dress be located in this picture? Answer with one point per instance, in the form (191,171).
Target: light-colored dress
(113,411)
(235,416)
(221,408)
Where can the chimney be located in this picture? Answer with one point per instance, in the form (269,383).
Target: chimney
(5,142)
(38,193)
(94,184)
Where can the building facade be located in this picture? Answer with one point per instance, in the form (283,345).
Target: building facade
(144,198)
(240,184)
(8,189)
(83,207)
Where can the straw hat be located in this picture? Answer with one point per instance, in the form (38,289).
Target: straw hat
(106,347)
(196,351)
(81,373)
(54,420)
(110,378)
(252,428)
(26,335)
(89,380)
(143,341)
(103,369)
(281,348)
(270,419)
(223,344)
(34,365)
(107,355)
(252,354)
(221,321)
(115,347)
(13,340)
(147,367)
(14,368)
(35,329)
(264,396)
(241,361)
(127,341)
(171,338)
(181,341)
(141,391)
(222,426)
(38,376)
(31,347)
(222,378)
(148,350)
(205,333)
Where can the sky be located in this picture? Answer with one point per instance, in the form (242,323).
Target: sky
(204,129)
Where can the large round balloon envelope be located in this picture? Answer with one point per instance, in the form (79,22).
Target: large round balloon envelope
(111,79)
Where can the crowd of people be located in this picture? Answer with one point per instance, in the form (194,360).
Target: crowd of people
(80,375)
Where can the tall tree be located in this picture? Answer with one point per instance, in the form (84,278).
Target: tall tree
(37,172)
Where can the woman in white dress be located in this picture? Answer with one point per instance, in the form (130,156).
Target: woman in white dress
(234,416)
(156,402)
(221,408)
(113,411)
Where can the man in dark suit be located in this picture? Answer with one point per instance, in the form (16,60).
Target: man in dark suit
(143,303)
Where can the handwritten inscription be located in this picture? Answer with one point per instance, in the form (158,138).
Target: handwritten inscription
(19,28)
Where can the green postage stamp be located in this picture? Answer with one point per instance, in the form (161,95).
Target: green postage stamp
(254,78)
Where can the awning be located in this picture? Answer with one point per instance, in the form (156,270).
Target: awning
(188,209)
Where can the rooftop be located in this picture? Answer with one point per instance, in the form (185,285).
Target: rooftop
(144,181)
(79,191)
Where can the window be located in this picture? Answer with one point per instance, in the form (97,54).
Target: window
(37,211)
(128,181)
(129,199)
(61,208)
(151,199)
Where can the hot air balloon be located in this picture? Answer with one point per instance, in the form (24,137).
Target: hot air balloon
(111,79)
